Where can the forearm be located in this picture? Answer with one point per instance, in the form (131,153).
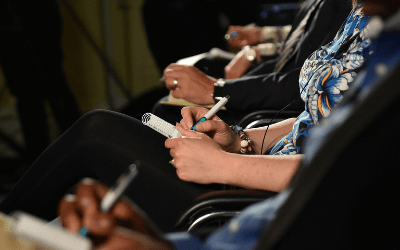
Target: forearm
(275,132)
(265,172)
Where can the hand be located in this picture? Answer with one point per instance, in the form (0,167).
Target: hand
(246,35)
(215,128)
(238,66)
(197,158)
(193,85)
(122,227)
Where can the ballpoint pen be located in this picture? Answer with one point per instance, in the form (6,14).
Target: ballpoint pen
(212,111)
(116,191)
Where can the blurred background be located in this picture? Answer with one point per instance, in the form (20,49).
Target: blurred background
(114,52)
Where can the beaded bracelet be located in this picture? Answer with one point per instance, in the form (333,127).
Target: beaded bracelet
(245,143)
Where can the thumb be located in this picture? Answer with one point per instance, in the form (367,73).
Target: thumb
(208,126)
(205,126)
(186,132)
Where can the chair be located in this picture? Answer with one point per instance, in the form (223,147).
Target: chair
(264,117)
(215,208)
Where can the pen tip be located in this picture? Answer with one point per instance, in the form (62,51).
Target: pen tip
(227,97)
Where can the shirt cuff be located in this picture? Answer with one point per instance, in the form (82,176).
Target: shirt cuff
(184,241)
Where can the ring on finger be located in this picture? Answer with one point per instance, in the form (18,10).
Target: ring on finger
(171,162)
(175,82)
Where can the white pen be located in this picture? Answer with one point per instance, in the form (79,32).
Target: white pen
(119,187)
(116,191)
(212,111)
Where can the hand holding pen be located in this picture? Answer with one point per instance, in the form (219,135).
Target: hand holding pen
(119,228)
(116,191)
(84,200)
(214,127)
(212,111)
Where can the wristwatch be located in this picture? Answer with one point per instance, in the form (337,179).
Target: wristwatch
(249,53)
(218,87)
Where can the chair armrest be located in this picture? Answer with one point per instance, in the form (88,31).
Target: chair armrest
(219,205)
(264,117)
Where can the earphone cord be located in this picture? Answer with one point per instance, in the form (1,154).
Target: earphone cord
(270,122)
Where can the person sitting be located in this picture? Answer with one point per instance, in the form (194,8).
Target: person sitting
(271,85)
(103,143)
(372,217)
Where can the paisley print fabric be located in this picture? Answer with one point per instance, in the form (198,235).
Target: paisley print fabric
(325,77)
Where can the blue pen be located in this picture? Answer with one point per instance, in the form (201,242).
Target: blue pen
(212,111)
(116,191)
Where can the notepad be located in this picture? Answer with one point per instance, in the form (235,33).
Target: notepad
(24,231)
(161,126)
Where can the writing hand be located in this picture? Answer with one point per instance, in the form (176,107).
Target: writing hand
(197,158)
(215,128)
(123,227)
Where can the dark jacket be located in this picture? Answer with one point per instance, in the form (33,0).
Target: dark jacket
(261,90)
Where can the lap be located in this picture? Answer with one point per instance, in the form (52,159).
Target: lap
(101,145)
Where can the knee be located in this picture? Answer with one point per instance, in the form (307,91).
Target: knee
(93,119)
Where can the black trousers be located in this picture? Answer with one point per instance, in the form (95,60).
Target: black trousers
(101,145)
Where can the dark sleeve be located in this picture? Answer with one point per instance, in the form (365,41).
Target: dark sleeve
(263,68)
(265,92)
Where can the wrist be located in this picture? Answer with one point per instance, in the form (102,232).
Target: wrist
(246,146)
(218,89)
(236,148)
